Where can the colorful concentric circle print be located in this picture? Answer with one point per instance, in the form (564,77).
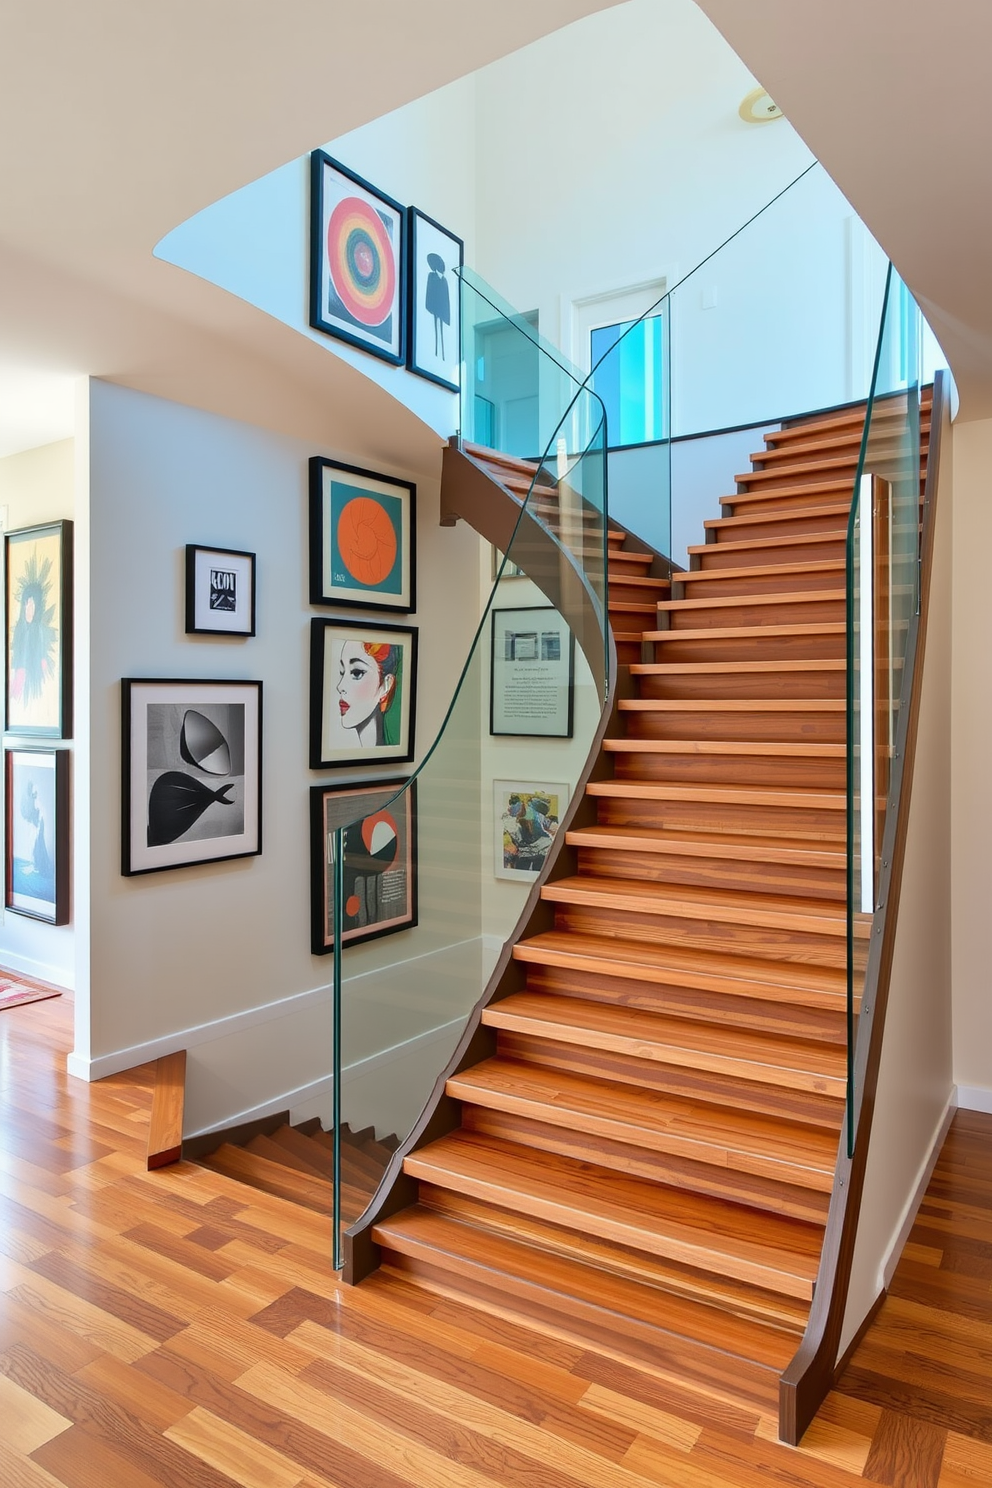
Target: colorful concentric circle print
(361,260)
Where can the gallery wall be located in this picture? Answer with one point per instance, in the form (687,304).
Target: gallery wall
(207,956)
(37,486)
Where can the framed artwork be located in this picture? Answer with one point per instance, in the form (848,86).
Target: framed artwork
(380,861)
(220,591)
(363,537)
(192,772)
(531,681)
(434,337)
(511,570)
(36,870)
(38,631)
(357,260)
(525,820)
(363,692)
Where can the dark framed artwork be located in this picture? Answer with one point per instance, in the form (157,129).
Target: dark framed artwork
(434,334)
(363,538)
(220,591)
(363,692)
(36,870)
(192,772)
(38,631)
(357,260)
(531,683)
(526,818)
(380,861)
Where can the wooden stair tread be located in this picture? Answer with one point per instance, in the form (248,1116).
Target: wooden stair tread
(721,668)
(800,428)
(799,1064)
(495,457)
(764,1250)
(845,461)
(839,509)
(731,747)
(707,844)
(837,486)
(727,795)
(732,705)
(647,1118)
(570,1283)
(737,601)
(761,571)
(835,443)
(768,544)
(746,632)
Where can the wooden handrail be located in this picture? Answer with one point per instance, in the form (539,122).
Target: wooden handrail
(811,1374)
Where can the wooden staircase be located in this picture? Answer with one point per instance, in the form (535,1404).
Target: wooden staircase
(297,1163)
(646,1161)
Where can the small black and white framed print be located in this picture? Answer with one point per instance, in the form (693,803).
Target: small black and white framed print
(531,683)
(192,772)
(434,337)
(36,877)
(357,260)
(378,823)
(220,591)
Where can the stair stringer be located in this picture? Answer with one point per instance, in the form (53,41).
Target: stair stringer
(468,491)
(808,1379)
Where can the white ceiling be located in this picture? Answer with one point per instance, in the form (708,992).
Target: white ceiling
(893,97)
(122,118)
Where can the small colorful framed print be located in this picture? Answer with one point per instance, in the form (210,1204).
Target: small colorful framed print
(379,840)
(38,630)
(192,772)
(434,337)
(363,538)
(525,821)
(36,876)
(363,692)
(357,260)
(220,591)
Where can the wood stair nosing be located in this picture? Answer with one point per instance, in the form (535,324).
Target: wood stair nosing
(732,748)
(770,850)
(768,545)
(719,795)
(836,463)
(696,577)
(749,632)
(773,1252)
(824,666)
(765,601)
(800,1065)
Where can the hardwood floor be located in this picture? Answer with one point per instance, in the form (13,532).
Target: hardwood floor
(174,1329)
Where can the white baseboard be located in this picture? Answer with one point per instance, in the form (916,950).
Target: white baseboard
(974,1098)
(97,1067)
(42,971)
(891,1259)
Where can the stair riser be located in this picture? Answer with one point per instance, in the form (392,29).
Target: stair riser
(775,727)
(829,647)
(682,1358)
(623,592)
(715,557)
(791,498)
(684,816)
(725,873)
(790,612)
(631,619)
(783,683)
(728,769)
(788,946)
(799,524)
(705,585)
(749,1178)
(715,1088)
(628,652)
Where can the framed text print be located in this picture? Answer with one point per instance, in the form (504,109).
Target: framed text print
(363,535)
(357,260)
(220,592)
(38,630)
(36,877)
(525,821)
(363,692)
(533,656)
(192,772)
(379,838)
(434,340)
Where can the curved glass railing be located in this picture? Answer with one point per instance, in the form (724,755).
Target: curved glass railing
(422,880)
(883,593)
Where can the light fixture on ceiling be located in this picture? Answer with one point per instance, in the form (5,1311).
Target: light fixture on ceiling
(758,108)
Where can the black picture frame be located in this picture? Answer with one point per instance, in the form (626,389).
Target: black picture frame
(208,604)
(401,811)
(38,683)
(212,759)
(335,490)
(331,744)
(531,674)
(36,817)
(424,237)
(375,228)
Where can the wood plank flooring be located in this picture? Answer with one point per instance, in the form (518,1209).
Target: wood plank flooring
(174,1329)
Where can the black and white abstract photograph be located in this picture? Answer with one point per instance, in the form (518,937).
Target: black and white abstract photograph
(434,341)
(192,780)
(220,591)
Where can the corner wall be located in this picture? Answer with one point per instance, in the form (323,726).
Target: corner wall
(37,486)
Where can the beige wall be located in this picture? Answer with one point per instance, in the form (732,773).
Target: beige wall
(971,763)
